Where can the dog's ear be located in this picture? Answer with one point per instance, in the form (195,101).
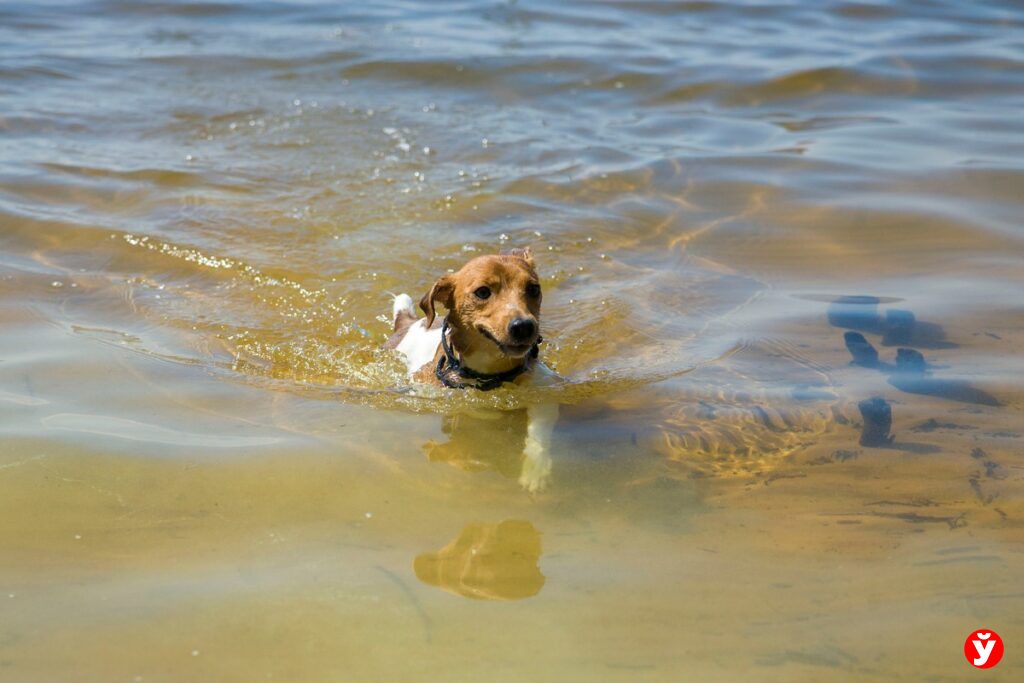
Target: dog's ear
(443,291)
(524,253)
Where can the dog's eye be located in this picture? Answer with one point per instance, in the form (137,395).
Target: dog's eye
(533,290)
(482,292)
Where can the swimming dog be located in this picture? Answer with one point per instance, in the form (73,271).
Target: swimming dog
(490,336)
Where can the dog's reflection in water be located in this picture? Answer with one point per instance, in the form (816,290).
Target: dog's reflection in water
(485,440)
(487,562)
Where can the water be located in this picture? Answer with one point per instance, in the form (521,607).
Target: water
(210,471)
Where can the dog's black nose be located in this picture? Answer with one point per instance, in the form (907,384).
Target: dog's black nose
(522,329)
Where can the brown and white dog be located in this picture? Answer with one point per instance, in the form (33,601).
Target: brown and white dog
(490,336)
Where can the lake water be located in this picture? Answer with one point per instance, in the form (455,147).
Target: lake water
(210,471)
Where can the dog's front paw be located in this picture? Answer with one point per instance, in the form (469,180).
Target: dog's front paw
(536,472)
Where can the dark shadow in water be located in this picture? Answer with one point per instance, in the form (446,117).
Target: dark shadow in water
(855,313)
(877,415)
(953,390)
(912,374)
(487,562)
(897,327)
(912,447)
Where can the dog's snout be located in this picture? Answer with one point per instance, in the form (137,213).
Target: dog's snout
(522,329)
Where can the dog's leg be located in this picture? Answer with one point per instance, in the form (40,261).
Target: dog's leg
(537,451)
(542,418)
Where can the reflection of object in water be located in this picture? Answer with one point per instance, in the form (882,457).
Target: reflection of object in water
(897,326)
(491,440)
(910,361)
(877,416)
(487,562)
(910,374)
(864,354)
(854,312)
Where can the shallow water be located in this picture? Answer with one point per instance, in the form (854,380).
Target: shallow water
(210,471)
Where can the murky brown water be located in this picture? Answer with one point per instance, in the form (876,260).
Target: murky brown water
(209,470)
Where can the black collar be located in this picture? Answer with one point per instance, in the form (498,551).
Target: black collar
(454,375)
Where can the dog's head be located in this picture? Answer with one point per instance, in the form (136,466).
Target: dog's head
(493,306)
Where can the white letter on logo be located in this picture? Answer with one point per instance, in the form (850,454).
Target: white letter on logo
(983,652)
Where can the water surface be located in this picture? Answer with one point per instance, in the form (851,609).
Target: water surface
(209,470)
